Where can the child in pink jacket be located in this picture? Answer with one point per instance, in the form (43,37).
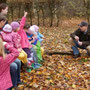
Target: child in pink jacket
(13,39)
(5,61)
(26,46)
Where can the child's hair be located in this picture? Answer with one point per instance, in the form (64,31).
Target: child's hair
(2,53)
(15,25)
(2,17)
(3,6)
(26,26)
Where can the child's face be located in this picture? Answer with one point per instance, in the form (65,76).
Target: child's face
(16,30)
(5,11)
(84,28)
(26,30)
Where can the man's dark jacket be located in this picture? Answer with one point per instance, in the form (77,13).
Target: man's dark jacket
(83,37)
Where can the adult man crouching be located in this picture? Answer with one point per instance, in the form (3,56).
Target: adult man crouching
(80,39)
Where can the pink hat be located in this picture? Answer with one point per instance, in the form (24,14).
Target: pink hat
(7,28)
(32,30)
(15,25)
(36,28)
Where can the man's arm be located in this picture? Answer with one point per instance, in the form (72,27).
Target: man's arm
(75,33)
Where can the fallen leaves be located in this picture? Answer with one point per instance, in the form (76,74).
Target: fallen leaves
(58,71)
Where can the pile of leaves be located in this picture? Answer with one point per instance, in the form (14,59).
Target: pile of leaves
(58,71)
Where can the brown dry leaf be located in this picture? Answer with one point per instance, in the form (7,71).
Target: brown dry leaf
(35,85)
(59,71)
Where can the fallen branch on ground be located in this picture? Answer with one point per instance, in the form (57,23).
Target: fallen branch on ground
(61,53)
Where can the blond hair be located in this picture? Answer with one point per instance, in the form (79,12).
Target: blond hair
(2,53)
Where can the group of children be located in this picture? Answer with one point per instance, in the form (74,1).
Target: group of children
(22,43)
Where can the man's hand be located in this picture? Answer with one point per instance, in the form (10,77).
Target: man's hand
(76,38)
(79,43)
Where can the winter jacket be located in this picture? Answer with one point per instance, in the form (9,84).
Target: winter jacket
(24,39)
(12,38)
(5,78)
(83,37)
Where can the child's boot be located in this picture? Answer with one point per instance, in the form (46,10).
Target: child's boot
(28,65)
(36,66)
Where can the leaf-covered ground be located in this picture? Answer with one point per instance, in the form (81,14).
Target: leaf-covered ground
(59,72)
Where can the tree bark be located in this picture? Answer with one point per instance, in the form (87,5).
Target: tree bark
(19,7)
(38,17)
(30,15)
(43,16)
(87,6)
(88,11)
(3,1)
(34,8)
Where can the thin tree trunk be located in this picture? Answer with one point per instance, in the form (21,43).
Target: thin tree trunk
(3,1)
(87,5)
(58,22)
(19,7)
(88,11)
(12,13)
(38,17)
(34,8)
(43,17)
(30,15)
(51,22)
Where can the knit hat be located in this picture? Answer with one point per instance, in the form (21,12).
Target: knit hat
(32,30)
(36,28)
(15,25)
(7,28)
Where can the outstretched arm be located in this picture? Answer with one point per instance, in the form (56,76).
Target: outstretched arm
(23,20)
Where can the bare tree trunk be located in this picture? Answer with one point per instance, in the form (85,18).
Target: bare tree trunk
(11,10)
(12,7)
(58,22)
(19,7)
(30,15)
(55,13)
(3,1)
(42,7)
(43,16)
(51,4)
(87,5)
(34,8)
(51,16)
(88,11)
(12,13)
(85,1)
(28,7)
(51,22)
(38,17)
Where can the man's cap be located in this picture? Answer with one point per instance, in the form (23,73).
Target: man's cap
(83,24)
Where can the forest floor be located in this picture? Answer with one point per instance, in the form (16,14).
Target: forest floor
(59,72)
